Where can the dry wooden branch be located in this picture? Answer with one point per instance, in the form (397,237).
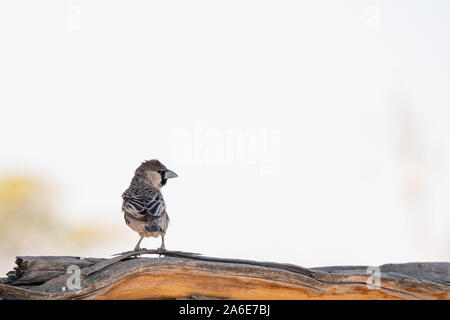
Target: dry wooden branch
(189,275)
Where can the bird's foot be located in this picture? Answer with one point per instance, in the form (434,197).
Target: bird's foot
(162,250)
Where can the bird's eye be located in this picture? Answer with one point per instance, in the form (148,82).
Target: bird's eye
(159,171)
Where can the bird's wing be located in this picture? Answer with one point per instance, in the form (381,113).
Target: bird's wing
(142,205)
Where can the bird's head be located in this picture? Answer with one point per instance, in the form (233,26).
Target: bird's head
(157,172)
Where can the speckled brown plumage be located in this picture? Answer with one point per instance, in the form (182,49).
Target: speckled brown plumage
(143,203)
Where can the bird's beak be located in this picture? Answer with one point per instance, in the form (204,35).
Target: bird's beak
(170,174)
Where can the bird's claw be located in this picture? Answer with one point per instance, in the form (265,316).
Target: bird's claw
(162,250)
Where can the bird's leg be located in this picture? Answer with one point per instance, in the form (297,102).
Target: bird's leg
(138,248)
(163,247)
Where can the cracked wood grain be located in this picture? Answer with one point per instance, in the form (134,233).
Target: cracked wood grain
(186,275)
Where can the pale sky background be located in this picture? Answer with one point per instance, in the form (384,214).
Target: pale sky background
(357,94)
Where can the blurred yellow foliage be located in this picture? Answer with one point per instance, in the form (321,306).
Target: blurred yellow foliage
(13,190)
(27,219)
(25,211)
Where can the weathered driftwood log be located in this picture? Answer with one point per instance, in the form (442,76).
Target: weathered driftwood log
(188,275)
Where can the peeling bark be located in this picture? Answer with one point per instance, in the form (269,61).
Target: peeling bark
(183,275)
